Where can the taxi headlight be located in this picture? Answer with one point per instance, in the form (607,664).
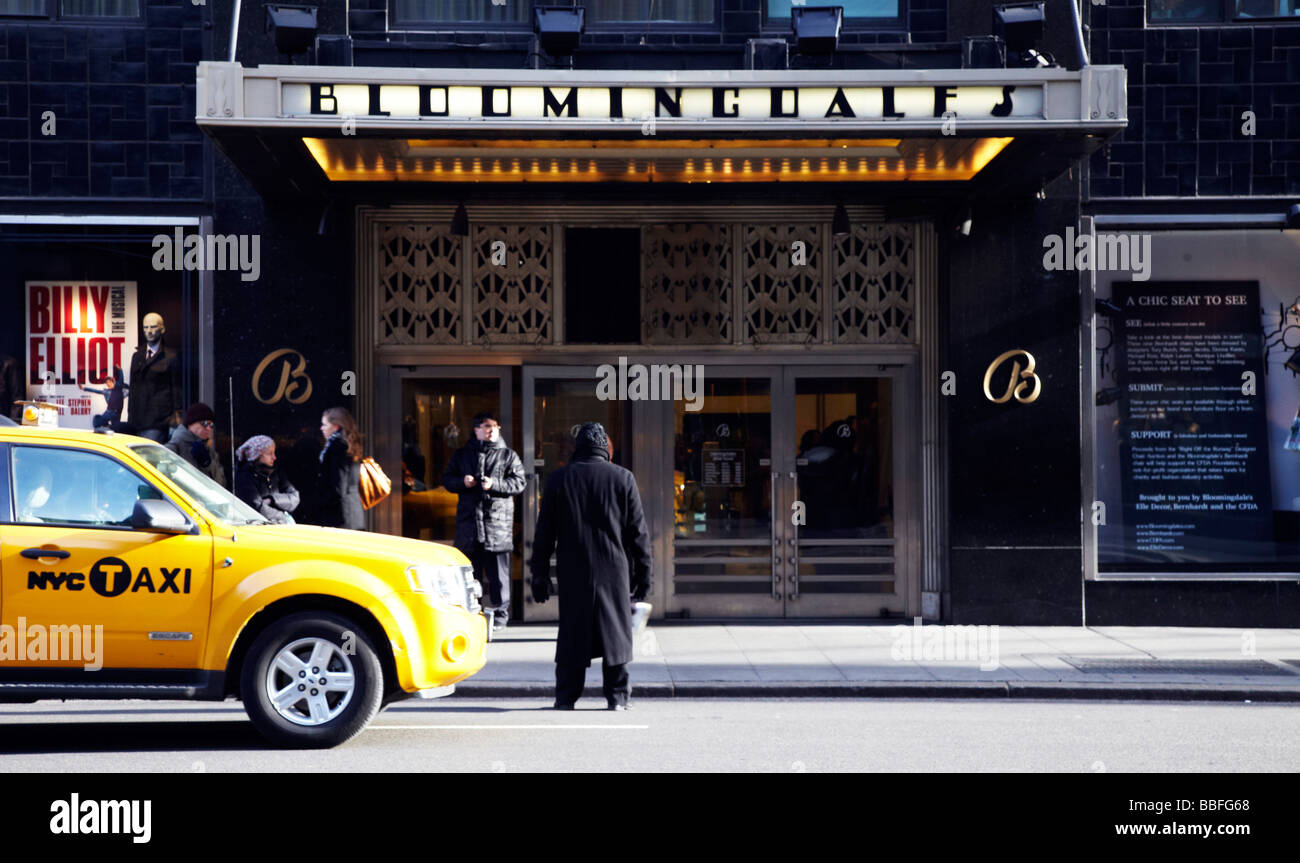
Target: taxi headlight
(445,583)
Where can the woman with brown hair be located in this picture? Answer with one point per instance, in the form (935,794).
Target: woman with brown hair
(338,479)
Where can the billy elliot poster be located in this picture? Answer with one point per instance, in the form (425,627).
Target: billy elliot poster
(77,333)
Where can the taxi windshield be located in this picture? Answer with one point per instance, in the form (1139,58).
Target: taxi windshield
(199,486)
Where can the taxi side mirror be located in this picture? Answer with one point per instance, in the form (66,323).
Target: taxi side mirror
(162,516)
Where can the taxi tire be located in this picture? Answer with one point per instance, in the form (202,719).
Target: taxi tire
(366,698)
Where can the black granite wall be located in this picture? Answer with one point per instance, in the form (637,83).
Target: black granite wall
(122,93)
(1015,552)
(1188,88)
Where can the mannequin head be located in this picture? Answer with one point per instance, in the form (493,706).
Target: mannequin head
(153,328)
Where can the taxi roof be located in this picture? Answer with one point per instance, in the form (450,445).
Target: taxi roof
(36,434)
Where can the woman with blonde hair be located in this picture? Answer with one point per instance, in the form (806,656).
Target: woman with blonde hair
(338,479)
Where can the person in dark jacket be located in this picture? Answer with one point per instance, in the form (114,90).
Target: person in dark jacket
(260,485)
(192,441)
(12,388)
(155,382)
(591,516)
(338,479)
(486,475)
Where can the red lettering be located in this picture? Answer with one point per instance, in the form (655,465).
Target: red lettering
(34,363)
(83,325)
(66,369)
(98,367)
(56,306)
(99,296)
(39,316)
(68,326)
(116,342)
(81,362)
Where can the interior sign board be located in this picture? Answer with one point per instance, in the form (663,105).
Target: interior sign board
(723,467)
(1192,426)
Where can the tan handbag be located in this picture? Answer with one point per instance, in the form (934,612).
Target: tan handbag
(375,484)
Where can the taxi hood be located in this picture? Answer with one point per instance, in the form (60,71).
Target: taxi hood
(310,541)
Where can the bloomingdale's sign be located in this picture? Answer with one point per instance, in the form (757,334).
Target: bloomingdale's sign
(433,101)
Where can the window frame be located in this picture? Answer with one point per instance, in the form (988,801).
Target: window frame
(28,16)
(406,25)
(1227,16)
(57,14)
(850,25)
(10,478)
(398,25)
(53,15)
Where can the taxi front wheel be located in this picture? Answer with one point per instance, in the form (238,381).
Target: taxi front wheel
(311,680)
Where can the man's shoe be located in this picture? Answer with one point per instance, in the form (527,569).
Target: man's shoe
(558,706)
(618,705)
(498,625)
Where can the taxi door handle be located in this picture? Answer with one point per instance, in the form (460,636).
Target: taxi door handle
(38,553)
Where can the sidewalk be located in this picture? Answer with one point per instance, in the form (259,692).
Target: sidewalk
(781,660)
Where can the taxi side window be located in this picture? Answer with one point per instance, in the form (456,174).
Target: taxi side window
(68,486)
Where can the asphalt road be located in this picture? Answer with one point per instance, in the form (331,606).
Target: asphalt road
(769,735)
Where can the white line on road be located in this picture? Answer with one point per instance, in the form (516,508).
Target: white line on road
(506,727)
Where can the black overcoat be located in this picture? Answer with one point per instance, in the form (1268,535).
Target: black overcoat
(155,388)
(488,517)
(591,516)
(338,487)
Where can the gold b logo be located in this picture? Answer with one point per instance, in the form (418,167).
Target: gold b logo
(294,386)
(1019,379)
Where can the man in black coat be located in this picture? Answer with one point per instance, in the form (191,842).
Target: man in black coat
(486,475)
(591,510)
(155,382)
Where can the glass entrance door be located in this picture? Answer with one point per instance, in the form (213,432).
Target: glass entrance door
(556,401)
(845,546)
(790,494)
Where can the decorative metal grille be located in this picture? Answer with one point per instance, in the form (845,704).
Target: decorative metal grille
(419,285)
(686,290)
(874,285)
(514,301)
(782,283)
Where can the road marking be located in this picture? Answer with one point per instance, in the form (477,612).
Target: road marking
(506,727)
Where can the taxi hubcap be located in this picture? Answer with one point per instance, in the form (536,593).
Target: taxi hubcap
(310,682)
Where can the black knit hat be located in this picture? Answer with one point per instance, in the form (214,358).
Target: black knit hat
(592,436)
(197,413)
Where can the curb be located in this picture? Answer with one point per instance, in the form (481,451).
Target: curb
(917,689)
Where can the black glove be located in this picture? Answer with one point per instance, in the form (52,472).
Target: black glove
(541,588)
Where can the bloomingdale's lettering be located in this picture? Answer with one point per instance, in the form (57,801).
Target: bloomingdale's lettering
(532,102)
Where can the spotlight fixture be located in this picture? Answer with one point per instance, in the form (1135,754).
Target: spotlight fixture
(1107,309)
(840,221)
(964,223)
(816,28)
(1021,26)
(1293,216)
(460,222)
(1293,364)
(1108,396)
(293,27)
(559,28)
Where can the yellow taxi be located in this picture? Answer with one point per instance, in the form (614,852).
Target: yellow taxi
(126,573)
